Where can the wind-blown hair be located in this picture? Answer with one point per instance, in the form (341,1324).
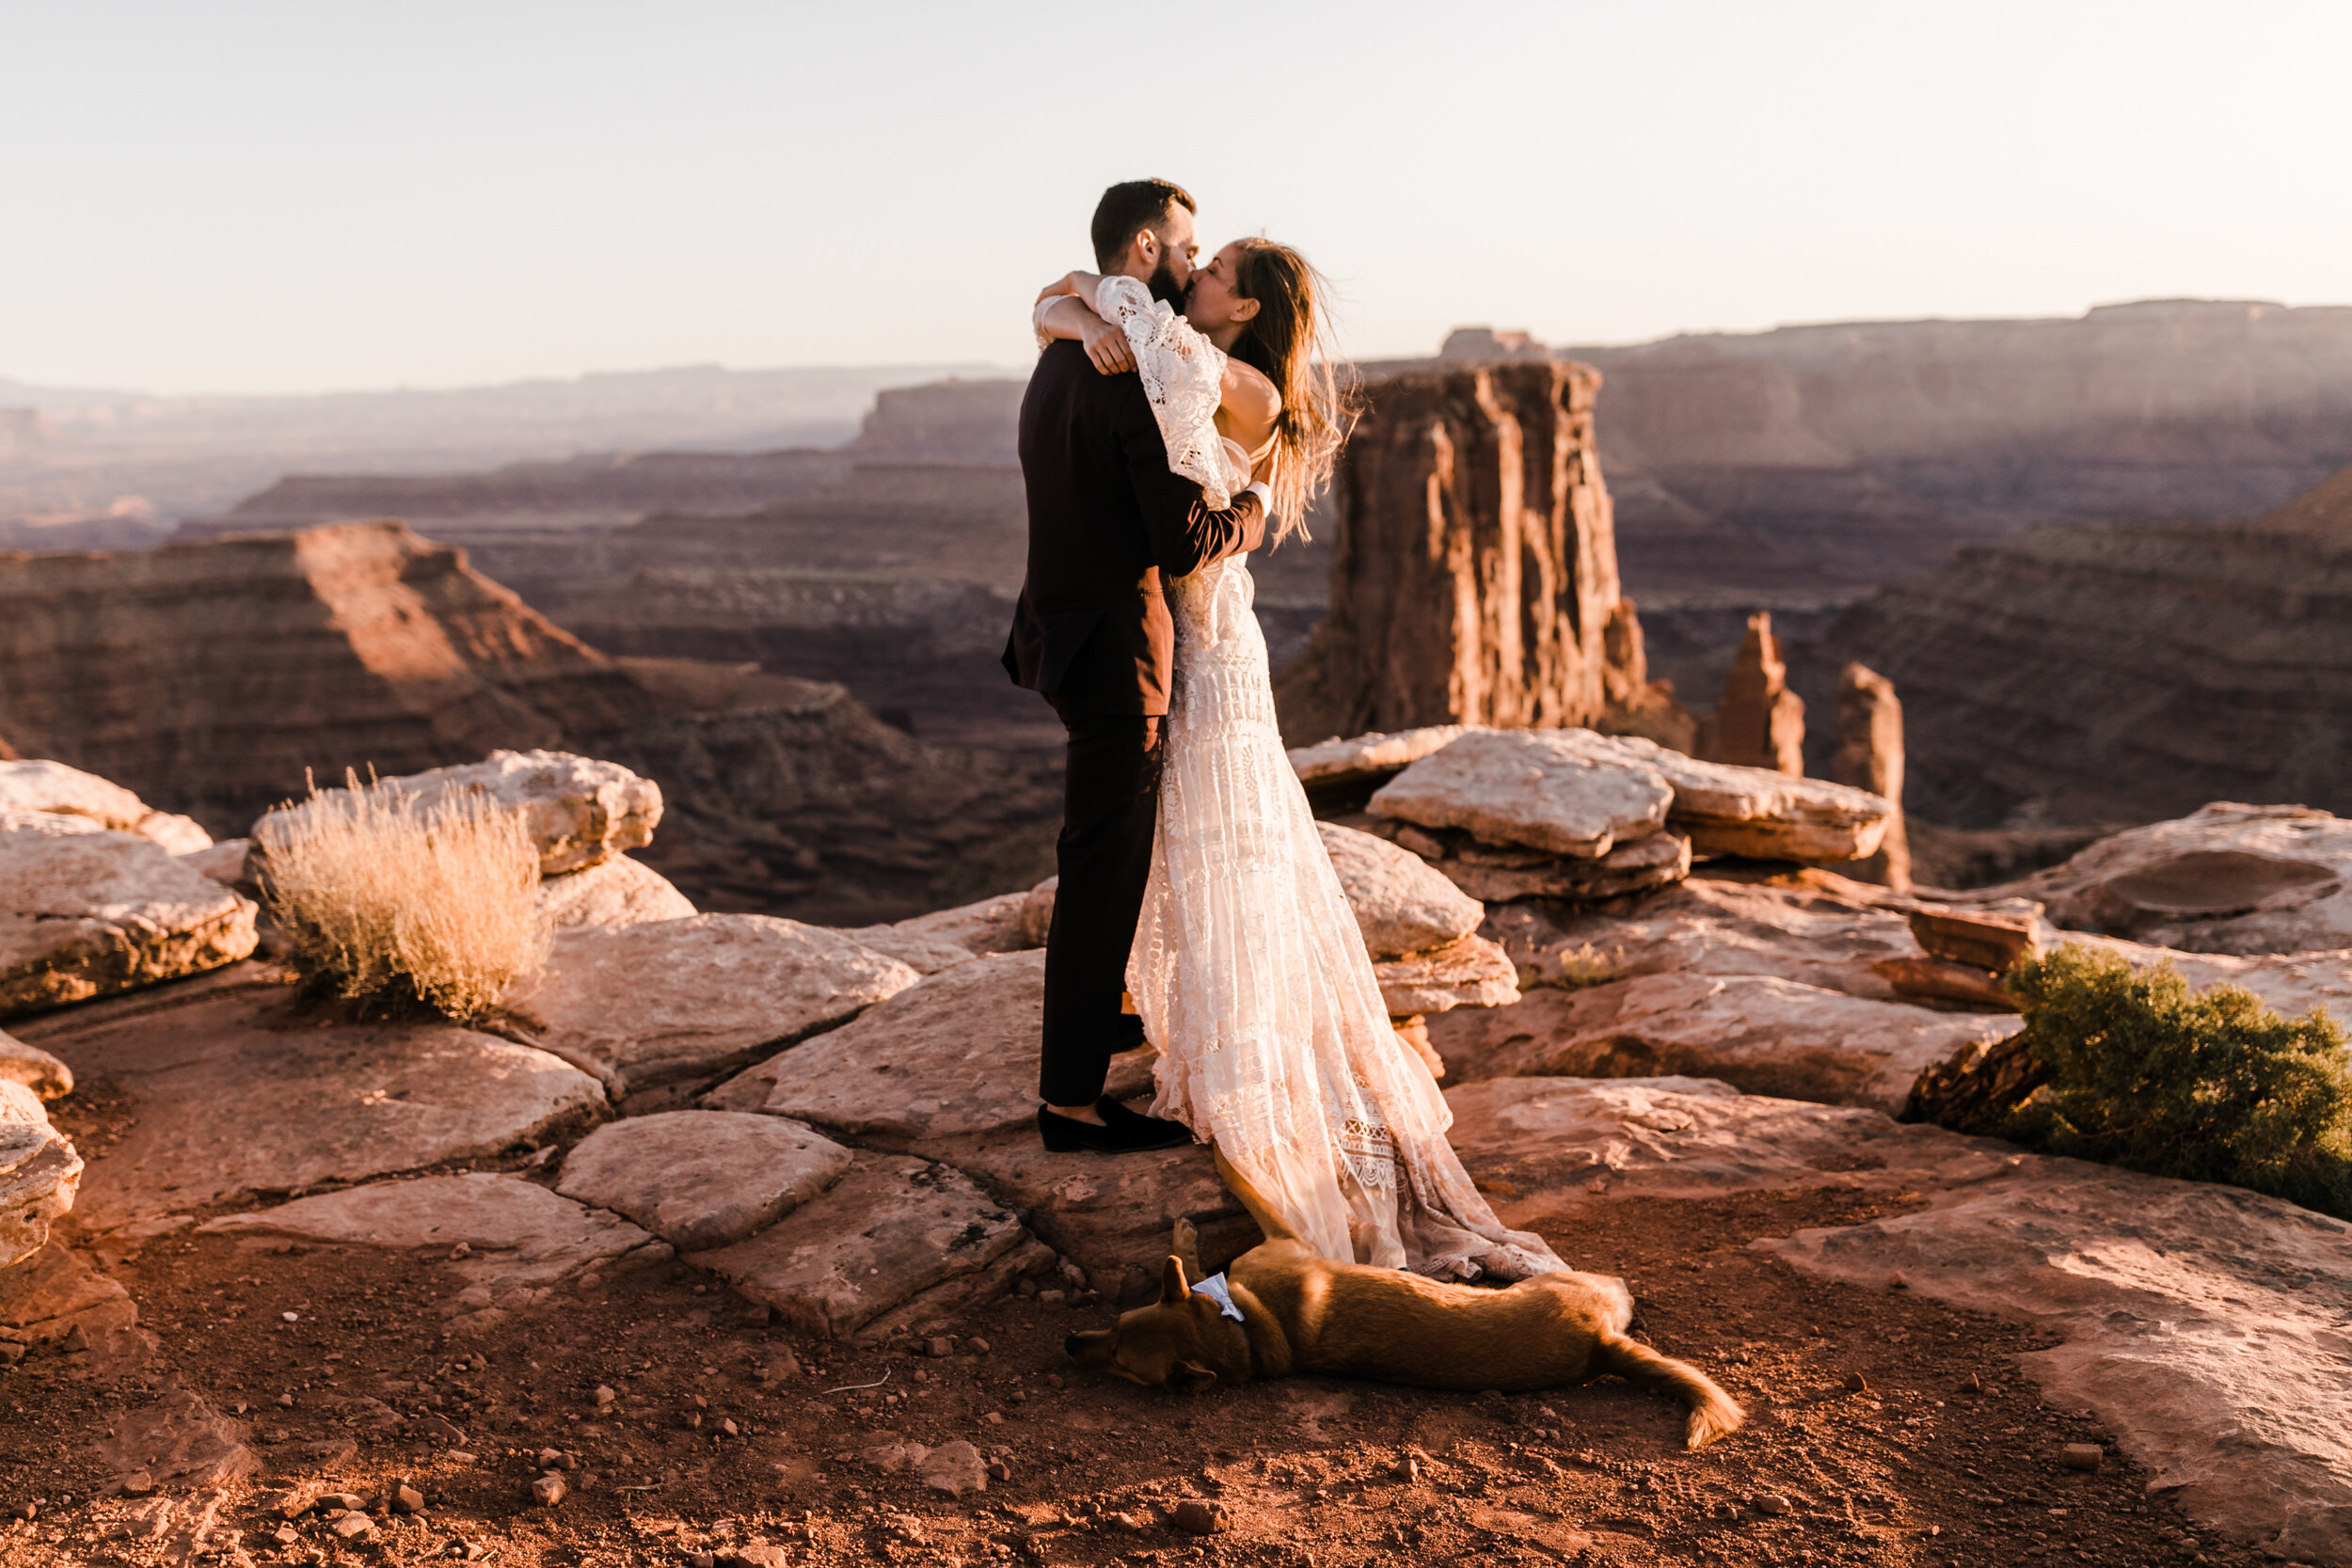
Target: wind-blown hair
(1291,340)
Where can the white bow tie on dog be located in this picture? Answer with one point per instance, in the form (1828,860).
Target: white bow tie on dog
(1216,1291)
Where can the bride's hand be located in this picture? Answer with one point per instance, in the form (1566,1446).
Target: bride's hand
(1072,283)
(1107,346)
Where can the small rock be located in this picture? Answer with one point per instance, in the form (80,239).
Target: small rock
(727,1426)
(756,1554)
(348,1501)
(702,1559)
(1857,1384)
(407,1499)
(1408,1468)
(939,1346)
(1772,1504)
(977,1345)
(2081,1456)
(352,1526)
(285,1535)
(549,1490)
(1202,1516)
(603,1395)
(138,1483)
(285,1401)
(552,1459)
(997,1470)
(1130,1521)
(1898,1281)
(955,1468)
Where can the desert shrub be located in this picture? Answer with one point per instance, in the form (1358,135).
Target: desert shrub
(1575,969)
(2209,1086)
(402,905)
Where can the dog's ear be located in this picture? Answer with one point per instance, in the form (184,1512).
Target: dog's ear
(1172,1286)
(1189,1377)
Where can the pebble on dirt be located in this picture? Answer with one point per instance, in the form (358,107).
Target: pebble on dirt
(1202,1516)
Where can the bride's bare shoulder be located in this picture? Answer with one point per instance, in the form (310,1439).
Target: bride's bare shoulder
(1249,394)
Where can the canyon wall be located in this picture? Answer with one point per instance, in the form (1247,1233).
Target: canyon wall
(2120,673)
(1475,574)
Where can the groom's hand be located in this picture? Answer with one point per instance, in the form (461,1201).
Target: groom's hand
(1106,345)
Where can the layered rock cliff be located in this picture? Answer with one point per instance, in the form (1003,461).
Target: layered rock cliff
(2124,674)
(1475,573)
(209,677)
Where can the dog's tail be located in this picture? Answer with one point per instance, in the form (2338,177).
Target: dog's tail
(1260,1209)
(1713,1414)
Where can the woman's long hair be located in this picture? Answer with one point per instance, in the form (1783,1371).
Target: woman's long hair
(1290,341)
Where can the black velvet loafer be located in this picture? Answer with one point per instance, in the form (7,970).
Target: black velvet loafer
(1124,1132)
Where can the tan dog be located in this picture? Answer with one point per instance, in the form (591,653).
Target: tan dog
(1304,1313)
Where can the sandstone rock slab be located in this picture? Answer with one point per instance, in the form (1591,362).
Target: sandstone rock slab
(955,1055)
(1365,757)
(1986,938)
(52,788)
(668,1005)
(179,1439)
(518,1239)
(2228,878)
(34,1069)
(227,863)
(580,811)
(934,942)
(1472,971)
(702,1178)
(1499,874)
(2204,1325)
(893,1232)
(1760,1033)
(39,1174)
(1730,810)
(617,892)
(47,1296)
(85,914)
(1567,791)
(240,1092)
(1558,1145)
(1400,904)
(51,823)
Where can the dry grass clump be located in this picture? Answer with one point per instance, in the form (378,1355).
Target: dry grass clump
(402,905)
(1576,968)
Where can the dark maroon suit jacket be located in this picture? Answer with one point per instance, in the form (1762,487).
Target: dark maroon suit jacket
(1107,523)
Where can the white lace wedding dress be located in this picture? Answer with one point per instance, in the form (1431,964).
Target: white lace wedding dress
(1248,969)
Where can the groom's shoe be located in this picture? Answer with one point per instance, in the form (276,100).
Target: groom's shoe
(1123,1132)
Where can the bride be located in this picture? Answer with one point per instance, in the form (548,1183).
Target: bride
(1248,970)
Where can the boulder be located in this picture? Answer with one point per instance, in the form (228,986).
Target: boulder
(39,1174)
(580,811)
(702,1178)
(2229,879)
(934,942)
(33,1068)
(52,788)
(617,892)
(1942,981)
(53,824)
(896,1238)
(1760,1033)
(1037,912)
(240,1091)
(1366,757)
(85,914)
(671,1005)
(519,1240)
(1569,792)
(1472,972)
(955,1055)
(1401,905)
(2201,1324)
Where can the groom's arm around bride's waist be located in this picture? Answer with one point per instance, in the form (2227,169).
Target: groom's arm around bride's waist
(1186,534)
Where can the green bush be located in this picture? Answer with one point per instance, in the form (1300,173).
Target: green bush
(2209,1086)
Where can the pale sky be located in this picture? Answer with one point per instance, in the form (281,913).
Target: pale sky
(222,196)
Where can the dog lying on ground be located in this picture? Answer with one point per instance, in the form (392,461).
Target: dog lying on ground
(1304,1313)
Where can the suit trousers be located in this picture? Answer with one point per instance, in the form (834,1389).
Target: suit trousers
(1110,807)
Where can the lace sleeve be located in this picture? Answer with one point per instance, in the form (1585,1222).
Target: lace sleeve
(1183,377)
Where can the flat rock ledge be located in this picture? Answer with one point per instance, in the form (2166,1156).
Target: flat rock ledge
(2204,1325)
(580,811)
(1472,971)
(52,788)
(240,1093)
(955,1055)
(1337,762)
(666,1007)
(84,915)
(519,1241)
(895,1239)
(944,937)
(1565,791)
(702,1178)
(33,1068)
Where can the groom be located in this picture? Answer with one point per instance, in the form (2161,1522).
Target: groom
(1108,523)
